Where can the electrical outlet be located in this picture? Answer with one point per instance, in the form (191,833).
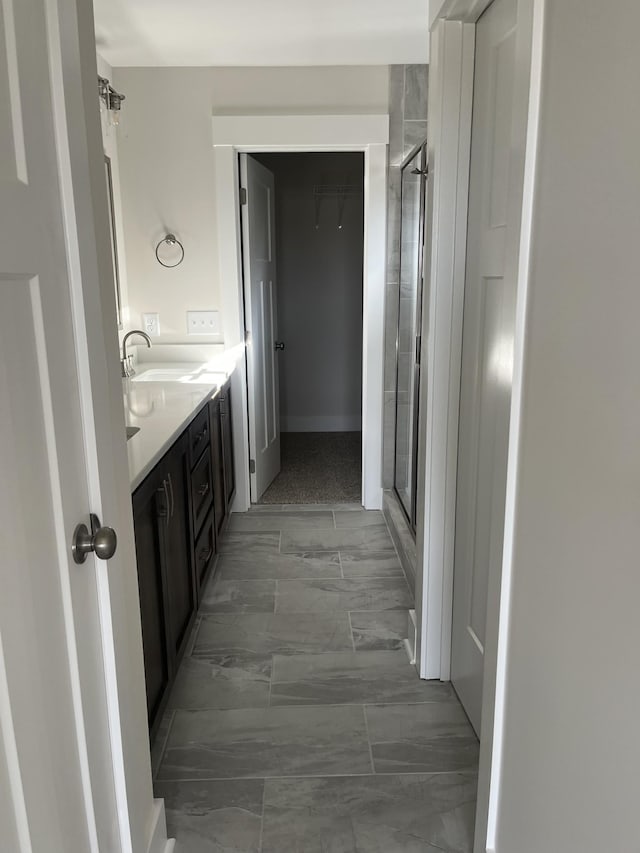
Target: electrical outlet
(151,324)
(203,323)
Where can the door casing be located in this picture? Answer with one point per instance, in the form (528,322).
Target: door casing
(261,134)
(450,113)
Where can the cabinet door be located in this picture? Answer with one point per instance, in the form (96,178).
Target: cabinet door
(150,508)
(219,502)
(227,445)
(201,491)
(181,592)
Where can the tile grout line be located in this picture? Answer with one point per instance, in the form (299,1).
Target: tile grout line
(370,703)
(469,773)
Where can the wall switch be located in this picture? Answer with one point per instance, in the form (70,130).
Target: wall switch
(151,324)
(203,323)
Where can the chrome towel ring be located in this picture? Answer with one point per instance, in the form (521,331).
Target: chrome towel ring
(170,240)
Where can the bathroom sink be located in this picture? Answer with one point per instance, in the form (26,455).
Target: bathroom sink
(131,431)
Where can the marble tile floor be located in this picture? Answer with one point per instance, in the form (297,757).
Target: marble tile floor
(296,723)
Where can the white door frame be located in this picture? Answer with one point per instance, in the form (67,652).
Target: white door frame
(450,112)
(366,133)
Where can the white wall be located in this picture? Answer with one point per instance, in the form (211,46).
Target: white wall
(319,275)
(167,166)
(571,748)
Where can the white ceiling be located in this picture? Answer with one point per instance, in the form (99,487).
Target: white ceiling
(261,32)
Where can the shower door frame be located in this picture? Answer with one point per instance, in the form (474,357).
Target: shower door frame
(421,147)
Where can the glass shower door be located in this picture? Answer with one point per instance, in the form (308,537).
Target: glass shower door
(408,343)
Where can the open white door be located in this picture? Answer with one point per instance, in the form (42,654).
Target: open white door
(497,145)
(261,318)
(63,782)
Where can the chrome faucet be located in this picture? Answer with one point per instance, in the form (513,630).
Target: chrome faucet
(126,361)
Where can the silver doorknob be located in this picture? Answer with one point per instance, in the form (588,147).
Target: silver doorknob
(278,345)
(102,540)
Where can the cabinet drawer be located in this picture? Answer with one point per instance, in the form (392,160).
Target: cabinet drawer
(201,490)
(204,550)
(198,436)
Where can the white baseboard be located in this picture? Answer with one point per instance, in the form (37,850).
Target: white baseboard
(321,423)
(159,843)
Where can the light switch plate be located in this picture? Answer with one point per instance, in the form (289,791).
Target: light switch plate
(203,323)
(151,324)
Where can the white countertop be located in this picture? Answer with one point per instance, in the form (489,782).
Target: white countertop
(163,409)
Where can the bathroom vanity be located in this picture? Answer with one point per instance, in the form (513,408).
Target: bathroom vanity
(183,483)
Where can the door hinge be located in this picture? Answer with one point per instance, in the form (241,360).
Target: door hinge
(243,195)
(418,348)
(247,336)
(252,466)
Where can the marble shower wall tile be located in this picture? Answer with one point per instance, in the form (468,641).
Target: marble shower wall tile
(335,596)
(396,112)
(212,816)
(222,681)
(273,566)
(415,132)
(416,83)
(351,678)
(376,814)
(434,737)
(379,630)
(272,742)
(259,634)
(393,224)
(390,336)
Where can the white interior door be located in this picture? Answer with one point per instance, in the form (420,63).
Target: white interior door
(57,789)
(487,349)
(261,319)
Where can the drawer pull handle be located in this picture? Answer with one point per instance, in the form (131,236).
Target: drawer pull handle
(204,488)
(200,436)
(205,556)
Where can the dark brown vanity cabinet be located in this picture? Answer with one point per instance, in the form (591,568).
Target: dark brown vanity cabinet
(179,513)
(161,513)
(150,508)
